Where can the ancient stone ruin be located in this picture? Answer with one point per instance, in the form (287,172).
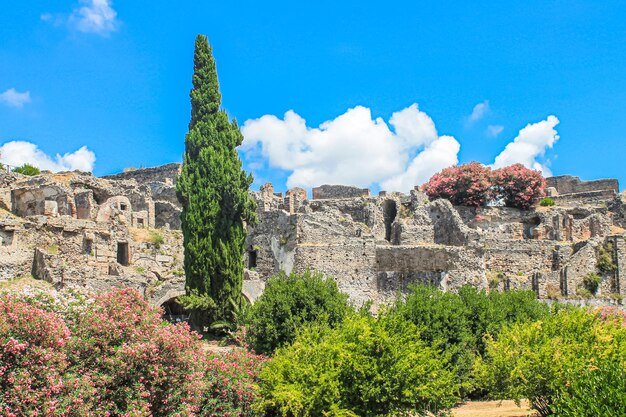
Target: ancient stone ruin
(73,229)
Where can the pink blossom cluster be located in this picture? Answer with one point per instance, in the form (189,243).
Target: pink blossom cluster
(115,357)
(475,185)
(518,186)
(463,185)
(612,314)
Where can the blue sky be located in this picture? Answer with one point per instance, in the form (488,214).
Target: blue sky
(114,77)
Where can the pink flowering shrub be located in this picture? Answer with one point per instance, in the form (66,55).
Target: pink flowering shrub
(518,186)
(114,357)
(463,185)
(612,314)
(474,185)
(231,384)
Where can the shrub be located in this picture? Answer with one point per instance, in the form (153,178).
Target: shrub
(518,186)
(605,262)
(591,282)
(600,390)
(287,303)
(156,238)
(466,185)
(458,323)
(547,202)
(27,169)
(364,367)
(540,360)
(113,355)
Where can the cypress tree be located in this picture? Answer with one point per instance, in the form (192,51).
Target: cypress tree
(213,191)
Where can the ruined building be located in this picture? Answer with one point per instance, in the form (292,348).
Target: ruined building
(77,230)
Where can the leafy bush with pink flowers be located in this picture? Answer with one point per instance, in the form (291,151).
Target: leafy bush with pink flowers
(518,186)
(463,185)
(114,356)
(475,185)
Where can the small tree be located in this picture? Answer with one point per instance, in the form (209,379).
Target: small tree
(464,185)
(518,186)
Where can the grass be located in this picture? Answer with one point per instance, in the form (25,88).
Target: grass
(24,281)
(147,236)
(53,249)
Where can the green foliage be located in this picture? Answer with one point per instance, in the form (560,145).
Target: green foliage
(287,303)
(600,390)
(213,191)
(605,262)
(547,202)
(591,282)
(140,269)
(541,360)
(27,169)
(156,238)
(459,322)
(495,278)
(364,367)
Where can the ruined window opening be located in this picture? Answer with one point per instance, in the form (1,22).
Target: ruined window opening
(87,246)
(390,210)
(140,222)
(123,255)
(6,237)
(252,257)
(123,207)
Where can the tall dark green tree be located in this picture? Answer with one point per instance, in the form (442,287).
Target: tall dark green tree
(213,191)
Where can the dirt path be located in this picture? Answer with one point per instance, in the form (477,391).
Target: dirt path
(492,409)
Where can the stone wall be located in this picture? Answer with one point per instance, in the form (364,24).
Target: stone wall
(324,192)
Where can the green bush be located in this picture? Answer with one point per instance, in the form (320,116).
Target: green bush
(541,360)
(547,202)
(442,318)
(591,282)
(599,391)
(364,367)
(459,322)
(287,303)
(605,262)
(27,169)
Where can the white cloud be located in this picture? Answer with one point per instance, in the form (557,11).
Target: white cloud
(494,130)
(352,149)
(531,143)
(440,154)
(18,153)
(13,98)
(90,16)
(478,112)
(95,16)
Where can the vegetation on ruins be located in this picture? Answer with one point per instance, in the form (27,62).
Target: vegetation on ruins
(518,186)
(465,185)
(547,202)
(289,302)
(605,263)
(27,169)
(213,191)
(475,185)
(591,282)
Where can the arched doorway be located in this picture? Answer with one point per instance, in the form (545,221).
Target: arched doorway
(174,312)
